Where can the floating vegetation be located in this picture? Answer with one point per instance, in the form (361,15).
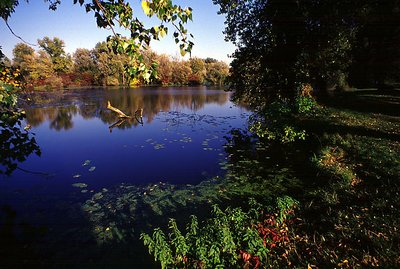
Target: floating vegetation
(80,185)
(159,146)
(185,139)
(97,196)
(86,163)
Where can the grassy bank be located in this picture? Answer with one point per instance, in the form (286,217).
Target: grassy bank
(345,176)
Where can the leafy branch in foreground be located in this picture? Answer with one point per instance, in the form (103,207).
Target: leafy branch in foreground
(232,238)
(119,13)
(110,14)
(16,143)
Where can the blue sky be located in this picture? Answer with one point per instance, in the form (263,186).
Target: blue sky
(78,29)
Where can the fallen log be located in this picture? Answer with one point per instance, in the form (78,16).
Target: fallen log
(119,112)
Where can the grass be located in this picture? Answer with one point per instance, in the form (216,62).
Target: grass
(351,219)
(345,175)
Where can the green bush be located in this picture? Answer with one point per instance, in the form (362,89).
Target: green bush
(232,238)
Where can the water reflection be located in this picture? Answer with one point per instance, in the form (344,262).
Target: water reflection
(16,143)
(91,103)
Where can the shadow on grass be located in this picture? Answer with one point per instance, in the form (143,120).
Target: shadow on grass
(319,127)
(385,101)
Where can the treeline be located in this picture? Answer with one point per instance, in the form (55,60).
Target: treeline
(52,67)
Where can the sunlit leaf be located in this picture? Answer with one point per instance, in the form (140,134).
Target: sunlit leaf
(146,7)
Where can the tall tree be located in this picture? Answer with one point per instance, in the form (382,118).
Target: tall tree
(199,71)
(55,48)
(20,52)
(84,61)
(283,44)
(377,52)
(216,72)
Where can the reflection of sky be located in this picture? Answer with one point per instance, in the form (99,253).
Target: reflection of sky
(178,146)
(78,29)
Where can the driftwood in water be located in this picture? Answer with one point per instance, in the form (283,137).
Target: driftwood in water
(116,110)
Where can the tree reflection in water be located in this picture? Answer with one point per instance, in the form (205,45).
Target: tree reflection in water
(92,103)
(16,142)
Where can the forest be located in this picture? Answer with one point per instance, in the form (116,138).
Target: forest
(51,67)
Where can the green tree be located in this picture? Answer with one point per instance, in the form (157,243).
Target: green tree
(100,53)
(180,72)
(84,61)
(55,48)
(164,69)
(199,71)
(23,56)
(284,44)
(110,14)
(42,71)
(20,52)
(377,54)
(216,72)
(111,66)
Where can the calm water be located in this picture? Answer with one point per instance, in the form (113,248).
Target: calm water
(84,148)
(180,141)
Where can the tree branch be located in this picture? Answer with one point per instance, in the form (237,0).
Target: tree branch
(116,110)
(17,36)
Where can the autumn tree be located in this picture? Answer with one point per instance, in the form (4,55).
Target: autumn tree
(55,48)
(83,61)
(180,72)
(23,55)
(164,69)
(42,71)
(216,72)
(199,71)
(20,52)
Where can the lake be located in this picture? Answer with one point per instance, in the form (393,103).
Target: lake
(86,149)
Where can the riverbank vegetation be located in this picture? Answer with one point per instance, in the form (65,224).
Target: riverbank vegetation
(52,68)
(344,176)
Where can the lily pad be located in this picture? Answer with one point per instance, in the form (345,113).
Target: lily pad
(80,185)
(97,196)
(87,162)
(159,146)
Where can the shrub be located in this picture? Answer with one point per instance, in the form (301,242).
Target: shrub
(232,238)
